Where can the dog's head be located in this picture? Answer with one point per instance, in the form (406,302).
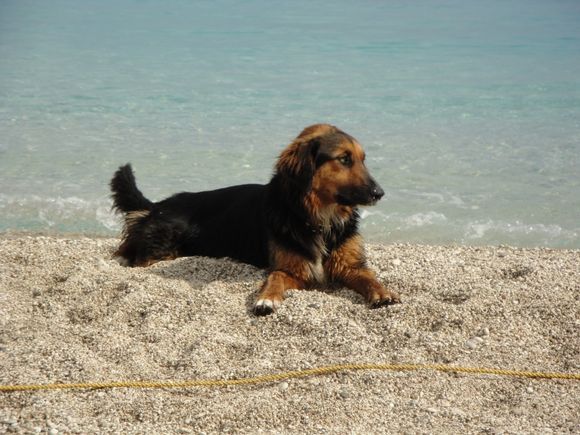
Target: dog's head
(329,164)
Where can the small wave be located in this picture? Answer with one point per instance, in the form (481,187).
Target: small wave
(422,219)
(405,221)
(436,227)
(439,198)
(480,229)
(57,213)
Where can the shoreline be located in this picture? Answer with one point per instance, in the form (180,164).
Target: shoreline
(72,314)
(15,234)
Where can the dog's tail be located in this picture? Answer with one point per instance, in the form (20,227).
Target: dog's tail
(126,196)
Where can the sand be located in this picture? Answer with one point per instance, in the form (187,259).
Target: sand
(69,313)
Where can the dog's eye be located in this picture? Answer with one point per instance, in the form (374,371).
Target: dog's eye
(345,160)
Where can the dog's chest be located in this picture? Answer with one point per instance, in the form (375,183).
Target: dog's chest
(317,272)
(316,267)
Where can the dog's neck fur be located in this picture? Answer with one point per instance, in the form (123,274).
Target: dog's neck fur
(327,226)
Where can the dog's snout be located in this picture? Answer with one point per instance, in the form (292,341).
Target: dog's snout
(377,192)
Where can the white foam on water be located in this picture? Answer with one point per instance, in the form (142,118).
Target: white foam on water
(107,218)
(437,228)
(57,213)
(481,230)
(403,221)
(421,219)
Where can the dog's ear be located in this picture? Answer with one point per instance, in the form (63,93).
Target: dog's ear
(297,162)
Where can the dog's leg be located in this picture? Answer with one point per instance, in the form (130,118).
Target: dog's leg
(272,291)
(363,281)
(347,265)
(289,271)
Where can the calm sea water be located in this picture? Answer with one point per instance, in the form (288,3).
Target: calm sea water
(469,111)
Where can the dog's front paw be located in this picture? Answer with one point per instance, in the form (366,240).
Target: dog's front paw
(383,298)
(263,307)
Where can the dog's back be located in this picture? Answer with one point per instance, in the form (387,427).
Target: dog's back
(225,222)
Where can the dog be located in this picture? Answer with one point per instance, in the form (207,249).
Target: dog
(302,226)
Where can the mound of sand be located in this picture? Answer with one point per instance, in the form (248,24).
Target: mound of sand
(68,313)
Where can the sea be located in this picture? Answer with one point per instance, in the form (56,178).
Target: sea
(469,111)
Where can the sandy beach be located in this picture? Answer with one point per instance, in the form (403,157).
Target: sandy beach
(69,313)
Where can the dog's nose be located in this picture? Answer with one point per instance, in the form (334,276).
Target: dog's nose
(377,193)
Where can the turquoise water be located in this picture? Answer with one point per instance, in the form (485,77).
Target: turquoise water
(469,111)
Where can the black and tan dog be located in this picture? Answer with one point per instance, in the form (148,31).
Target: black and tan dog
(301,226)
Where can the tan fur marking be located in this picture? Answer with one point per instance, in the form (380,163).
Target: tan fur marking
(151,261)
(131,219)
(330,177)
(294,264)
(133,216)
(275,286)
(326,216)
(358,151)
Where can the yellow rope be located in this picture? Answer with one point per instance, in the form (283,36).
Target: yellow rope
(290,375)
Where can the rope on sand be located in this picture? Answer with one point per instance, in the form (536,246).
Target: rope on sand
(290,375)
